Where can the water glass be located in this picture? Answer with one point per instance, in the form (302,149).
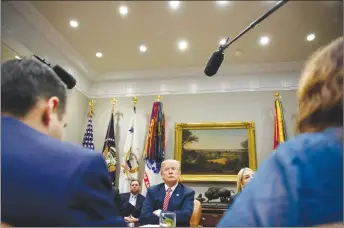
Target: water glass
(167,219)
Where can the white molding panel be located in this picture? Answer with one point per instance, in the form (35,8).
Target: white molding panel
(261,68)
(190,85)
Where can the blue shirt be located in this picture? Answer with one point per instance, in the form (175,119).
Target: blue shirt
(301,184)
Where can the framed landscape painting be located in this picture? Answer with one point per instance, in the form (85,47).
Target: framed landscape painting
(214,151)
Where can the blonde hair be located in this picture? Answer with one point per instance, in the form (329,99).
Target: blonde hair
(239,178)
(321,90)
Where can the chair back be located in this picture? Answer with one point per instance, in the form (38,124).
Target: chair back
(332,225)
(196,214)
(4,225)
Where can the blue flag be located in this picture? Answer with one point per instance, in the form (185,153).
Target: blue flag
(109,149)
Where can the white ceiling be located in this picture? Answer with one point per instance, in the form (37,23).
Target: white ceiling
(202,24)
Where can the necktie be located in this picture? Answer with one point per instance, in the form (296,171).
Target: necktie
(167,199)
(132,198)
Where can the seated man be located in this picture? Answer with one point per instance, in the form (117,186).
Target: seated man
(169,196)
(132,202)
(46,182)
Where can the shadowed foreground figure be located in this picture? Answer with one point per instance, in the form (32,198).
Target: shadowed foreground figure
(44,181)
(302,183)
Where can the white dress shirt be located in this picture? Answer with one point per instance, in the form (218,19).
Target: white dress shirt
(132,199)
(158,212)
(174,187)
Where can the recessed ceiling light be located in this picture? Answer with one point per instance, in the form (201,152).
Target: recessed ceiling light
(74,23)
(143,48)
(222,3)
(223,41)
(123,10)
(99,54)
(310,37)
(264,40)
(17,57)
(182,45)
(174,4)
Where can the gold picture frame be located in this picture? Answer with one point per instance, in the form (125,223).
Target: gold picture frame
(218,156)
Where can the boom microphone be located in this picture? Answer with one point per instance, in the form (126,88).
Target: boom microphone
(217,57)
(67,78)
(214,63)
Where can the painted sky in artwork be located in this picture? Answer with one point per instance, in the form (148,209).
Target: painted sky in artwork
(218,139)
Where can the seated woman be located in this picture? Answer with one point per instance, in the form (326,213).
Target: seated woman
(244,176)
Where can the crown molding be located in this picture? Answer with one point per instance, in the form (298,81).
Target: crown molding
(237,78)
(239,69)
(192,85)
(27,31)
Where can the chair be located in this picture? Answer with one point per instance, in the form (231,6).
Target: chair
(196,214)
(4,225)
(332,225)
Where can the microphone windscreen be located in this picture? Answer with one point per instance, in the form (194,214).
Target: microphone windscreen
(214,63)
(67,78)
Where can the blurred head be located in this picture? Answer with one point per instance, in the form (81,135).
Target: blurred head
(170,171)
(135,187)
(244,176)
(320,92)
(32,93)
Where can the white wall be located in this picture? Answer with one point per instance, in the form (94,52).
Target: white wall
(216,107)
(77,108)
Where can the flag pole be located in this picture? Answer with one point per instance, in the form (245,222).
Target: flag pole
(91,106)
(113,102)
(134,100)
(280,118)
(158,98)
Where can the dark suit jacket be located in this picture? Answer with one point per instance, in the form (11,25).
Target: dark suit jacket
(127,209)
(116,198)
(181,202)
(46,182)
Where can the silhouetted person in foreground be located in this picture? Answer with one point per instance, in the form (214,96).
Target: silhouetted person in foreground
(302,183)
(44,181)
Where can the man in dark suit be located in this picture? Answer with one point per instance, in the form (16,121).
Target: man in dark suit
(132,202)
(169,196)
(44,181)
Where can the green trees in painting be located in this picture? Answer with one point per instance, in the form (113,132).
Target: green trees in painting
(188,137)
(205,161)
(244,144)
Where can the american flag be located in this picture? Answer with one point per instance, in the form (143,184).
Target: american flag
(87,142)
